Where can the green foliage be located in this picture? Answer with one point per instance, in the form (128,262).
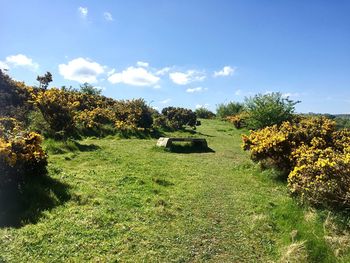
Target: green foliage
(38,124)
(232,108)
(342,122)
(89,89)
(204,113)
(177,118)
(268,109)
(44,80)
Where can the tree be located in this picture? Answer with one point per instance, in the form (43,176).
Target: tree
(204,113)
(268,109)
(44,80)
(89,89)
(229,109)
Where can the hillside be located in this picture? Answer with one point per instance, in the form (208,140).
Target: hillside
(124,200)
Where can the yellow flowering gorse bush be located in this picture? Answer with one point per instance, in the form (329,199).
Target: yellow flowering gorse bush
(312,152)
(21,153)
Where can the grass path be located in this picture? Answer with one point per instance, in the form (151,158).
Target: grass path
(132,202)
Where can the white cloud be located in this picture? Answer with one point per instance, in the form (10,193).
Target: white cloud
(111,72)
(142,64)
(134,76)
(238,92)
(226,71)
(163,71)
(81,70)
(189,76)
(108,16)
(157,86)
(19,60)
(197,89)
(166,101)
(83,11)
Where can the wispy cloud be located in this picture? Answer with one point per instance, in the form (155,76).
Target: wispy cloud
(142,64)
(197,89)
(225,71)
(83,11)
(166,101)
(184,78)
(108,16)
(81,70)
(163,71)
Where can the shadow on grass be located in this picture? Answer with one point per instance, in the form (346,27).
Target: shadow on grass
(189,148)
(20,205)
(87,147)
(203,134)
(147,134)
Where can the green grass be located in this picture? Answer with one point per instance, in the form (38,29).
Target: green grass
(124,200)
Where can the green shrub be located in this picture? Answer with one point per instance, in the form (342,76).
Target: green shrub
(229,109)
(267,110)
(204,113)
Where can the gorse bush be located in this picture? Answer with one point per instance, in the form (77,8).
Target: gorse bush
(314,154)
(322,176)
(57,108)
(277,143)
(232,108)
(70,113)
(14,98)
(268,109)
(238,120)
(21,154)
(177,118)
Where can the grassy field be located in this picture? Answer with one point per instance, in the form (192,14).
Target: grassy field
(124,200)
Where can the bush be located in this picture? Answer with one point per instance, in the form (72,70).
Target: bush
(21,154)
(313,152)
(267,110)
(14,98)
(204,113)
(321,177)
(229,109)
(133,114)
(57,107)
(276,144)
(238,120)
(177,118)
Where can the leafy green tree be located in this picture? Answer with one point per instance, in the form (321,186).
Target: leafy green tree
(268,109)
(89,89)
(44,80)
(232,108)
(204,113)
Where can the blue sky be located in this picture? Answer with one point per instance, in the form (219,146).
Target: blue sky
(185,52)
